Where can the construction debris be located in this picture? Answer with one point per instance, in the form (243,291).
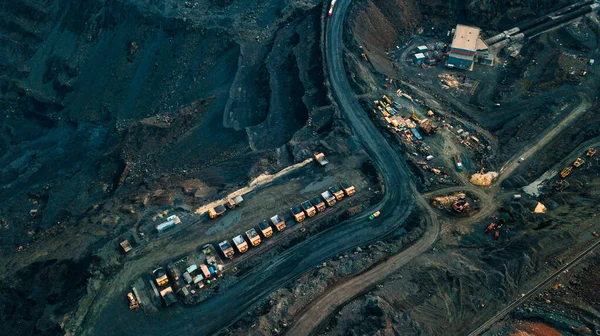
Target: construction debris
(483,180)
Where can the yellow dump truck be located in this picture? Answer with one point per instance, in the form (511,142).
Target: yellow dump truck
(216,211)
(253,237)
(320,157)
(578,162)
(226,249)
(278,223)
(298,214)
(565,172)
(265,229)
(590,152)
(133,302)
(240,243)
(337,192)
(347,188)
(160,276)
(318,203)
(308,208)
(328,198)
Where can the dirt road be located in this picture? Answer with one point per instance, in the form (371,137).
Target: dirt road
(548,136)
(318,310)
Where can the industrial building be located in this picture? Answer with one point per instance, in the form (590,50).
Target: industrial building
(467,47)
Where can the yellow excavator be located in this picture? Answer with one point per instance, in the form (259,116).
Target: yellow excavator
(364,56)
(414,116)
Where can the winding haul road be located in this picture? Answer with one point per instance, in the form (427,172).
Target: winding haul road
(230,305)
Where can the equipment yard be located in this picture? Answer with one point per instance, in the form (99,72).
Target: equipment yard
(300,168)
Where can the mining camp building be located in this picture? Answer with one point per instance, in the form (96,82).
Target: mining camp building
(467,47)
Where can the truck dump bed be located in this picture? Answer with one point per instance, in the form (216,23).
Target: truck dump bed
(309,209)
(320,157)
(328,198)
(318,203)
(240,243)
(348,188)
(265,229)
(217,211)
(253,237)
(226,249)
(297,213)
(278,223)
(337,192)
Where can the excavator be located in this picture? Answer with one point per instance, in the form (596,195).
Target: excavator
(364,56)
(414,116)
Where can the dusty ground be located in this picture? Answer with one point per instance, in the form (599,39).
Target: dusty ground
(115,112)
(468,275)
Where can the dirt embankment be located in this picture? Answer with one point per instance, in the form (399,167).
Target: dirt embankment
(114,109)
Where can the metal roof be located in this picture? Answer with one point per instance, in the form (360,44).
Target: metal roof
(465,37)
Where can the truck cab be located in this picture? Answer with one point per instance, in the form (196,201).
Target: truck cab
(265,229)
(240,243)
(318,203)
(253,237)
(278,223)
(337,192)
(226,249)
(328,198)
(298,213)
(160,276)
(347,188)
(308,208)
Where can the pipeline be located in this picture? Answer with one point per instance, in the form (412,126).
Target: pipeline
(533,23)
(554,21)
(560,20)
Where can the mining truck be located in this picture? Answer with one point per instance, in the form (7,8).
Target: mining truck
(578,162)
(308,208)
(278,223)
(328,198)
(265,229)
(318,203)
(320,157)
(160,276)
(240,243)
(298,213)
(233,202)
(133,302)
(565,172)
(168,296)
(347,188)
(226,249)
(590,152)
(216,211)
(337,192)
(253,237)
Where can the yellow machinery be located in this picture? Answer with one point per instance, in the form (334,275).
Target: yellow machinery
(578,162)
(590,152)
(364,56)
(414,116)
(387,99)
(565,172)
(133,302)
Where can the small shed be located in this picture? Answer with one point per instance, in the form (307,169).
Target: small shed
(422,48)
(419,58)
(126,245)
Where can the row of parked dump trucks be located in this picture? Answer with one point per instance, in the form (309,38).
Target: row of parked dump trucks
(309,208)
